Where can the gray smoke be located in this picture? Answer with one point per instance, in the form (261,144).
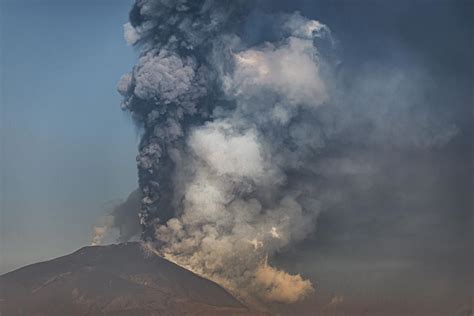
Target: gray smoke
(121,217)
(233,129)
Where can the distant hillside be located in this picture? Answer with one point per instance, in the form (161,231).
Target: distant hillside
(112,280)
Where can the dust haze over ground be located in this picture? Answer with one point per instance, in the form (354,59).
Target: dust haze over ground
(258,120)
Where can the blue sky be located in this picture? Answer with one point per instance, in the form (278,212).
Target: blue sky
(67,148)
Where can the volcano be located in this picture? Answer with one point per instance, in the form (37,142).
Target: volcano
(118,280)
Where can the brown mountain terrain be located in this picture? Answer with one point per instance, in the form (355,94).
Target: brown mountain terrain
(117,280)
(125,280)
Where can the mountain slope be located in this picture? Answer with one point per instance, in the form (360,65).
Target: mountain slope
(112,280)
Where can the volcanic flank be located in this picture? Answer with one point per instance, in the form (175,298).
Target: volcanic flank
(112,280)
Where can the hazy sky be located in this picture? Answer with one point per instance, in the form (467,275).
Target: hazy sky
(67,150)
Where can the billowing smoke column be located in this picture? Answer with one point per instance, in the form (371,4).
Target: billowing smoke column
(228,127)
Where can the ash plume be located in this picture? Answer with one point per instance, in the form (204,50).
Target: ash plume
(224,133)
(232,126)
